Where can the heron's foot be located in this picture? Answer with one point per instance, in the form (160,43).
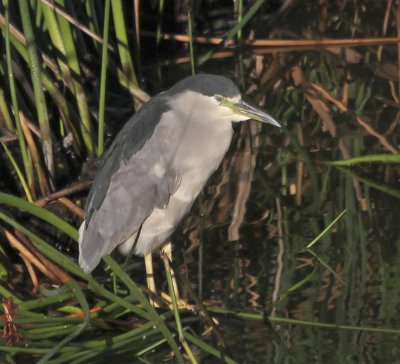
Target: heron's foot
(166,253)
(181,303)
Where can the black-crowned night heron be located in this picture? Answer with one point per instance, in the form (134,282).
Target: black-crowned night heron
(158,164)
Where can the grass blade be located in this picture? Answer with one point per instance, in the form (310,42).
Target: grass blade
(190,26)
(45,248)
(235,30)
(123,46)
(22,143)
(326,229)
(145,302)
(85,307)
(19,173)
(36,69)
(39,212)
(104,63)
(373,158)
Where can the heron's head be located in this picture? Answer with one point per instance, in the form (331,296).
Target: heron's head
(218,96)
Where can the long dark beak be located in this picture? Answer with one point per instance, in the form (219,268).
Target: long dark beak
(252,112)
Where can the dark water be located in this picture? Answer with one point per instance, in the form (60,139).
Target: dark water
(362,250)
(248,274)
(249,271)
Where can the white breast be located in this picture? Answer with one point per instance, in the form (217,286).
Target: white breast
(198,145)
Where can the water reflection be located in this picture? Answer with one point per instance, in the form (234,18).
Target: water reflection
(272,196)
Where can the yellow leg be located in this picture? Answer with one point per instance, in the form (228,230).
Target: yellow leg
(148,262)
(167,249)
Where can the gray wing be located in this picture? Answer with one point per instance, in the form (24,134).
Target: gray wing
(132,181)
(129,141)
